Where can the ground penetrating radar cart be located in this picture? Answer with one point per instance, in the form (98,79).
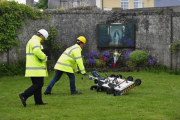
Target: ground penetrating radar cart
(113,84)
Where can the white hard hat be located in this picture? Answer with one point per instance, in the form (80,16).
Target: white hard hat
(44,33)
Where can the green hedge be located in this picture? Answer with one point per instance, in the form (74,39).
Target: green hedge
(17,68)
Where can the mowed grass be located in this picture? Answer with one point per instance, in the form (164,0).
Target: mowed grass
(157,98)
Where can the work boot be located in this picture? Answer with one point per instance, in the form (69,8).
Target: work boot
(41,103)
(23,100)
(47,93)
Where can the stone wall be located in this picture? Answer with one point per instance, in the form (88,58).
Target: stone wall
(53,4)
(156,28)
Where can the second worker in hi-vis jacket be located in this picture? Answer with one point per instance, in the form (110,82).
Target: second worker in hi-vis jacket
(69,62)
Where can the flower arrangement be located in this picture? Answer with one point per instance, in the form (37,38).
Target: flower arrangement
(107,58)
(91,57)
(151,61)
(99,59)
(126,54)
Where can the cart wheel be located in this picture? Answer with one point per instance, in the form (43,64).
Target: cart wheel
(110,91)
(116,93)
(119,76)
(130,78)
(137,82)
(93,87)
(113,75)
(95,81)
(99,89)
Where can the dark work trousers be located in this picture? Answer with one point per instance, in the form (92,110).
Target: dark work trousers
(58,76)
(35,89)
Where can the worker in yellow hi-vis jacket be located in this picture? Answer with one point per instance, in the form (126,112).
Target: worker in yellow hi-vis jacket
(35,68)
(69,62)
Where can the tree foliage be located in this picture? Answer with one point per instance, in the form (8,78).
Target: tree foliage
(42,4)
(12,16)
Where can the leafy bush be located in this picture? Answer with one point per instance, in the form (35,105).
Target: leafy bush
(17,68)
(51,39)
(157,69)
(100,63)
(175,46)
(138,57)
(130,64)
(174,72)
(161,69)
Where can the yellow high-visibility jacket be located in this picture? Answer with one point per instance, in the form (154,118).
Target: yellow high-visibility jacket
(71,60)
(35,59)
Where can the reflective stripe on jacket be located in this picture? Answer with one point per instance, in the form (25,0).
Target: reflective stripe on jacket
(70,59)
(35,59)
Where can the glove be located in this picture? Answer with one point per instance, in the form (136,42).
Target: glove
(78,72)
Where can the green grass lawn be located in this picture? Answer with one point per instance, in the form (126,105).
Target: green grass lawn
(157,98)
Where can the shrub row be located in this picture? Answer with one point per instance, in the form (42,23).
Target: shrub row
(17,68)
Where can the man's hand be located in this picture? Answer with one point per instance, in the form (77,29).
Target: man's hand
(85,74)
(78,72)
